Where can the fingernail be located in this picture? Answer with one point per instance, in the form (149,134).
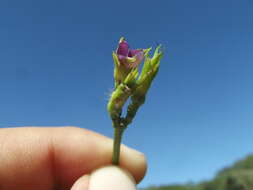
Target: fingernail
(111,178)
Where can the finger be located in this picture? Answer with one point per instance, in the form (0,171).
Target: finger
(44,158)
(82,183)
(111,177)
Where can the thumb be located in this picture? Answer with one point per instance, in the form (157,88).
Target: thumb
(109,177)
(113,178)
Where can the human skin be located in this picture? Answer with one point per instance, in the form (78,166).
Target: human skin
(54,158)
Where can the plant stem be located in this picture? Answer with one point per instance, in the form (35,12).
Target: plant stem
(118,132)
(133,108)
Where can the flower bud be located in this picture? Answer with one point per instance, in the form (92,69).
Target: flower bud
(128,82)
(125,60)
(149,71)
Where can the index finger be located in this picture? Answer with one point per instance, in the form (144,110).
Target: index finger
(45,158)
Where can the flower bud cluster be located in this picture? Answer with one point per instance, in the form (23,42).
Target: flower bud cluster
(128,82)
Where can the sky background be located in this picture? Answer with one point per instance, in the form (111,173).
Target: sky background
(56,69)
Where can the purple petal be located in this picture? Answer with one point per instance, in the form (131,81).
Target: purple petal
(133,52)
(121,58)
(123,48)
(139,57)
(139,54)
(123,61)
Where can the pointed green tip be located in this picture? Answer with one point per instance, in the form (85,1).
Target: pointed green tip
(158,50)
(146,51)
(158,54)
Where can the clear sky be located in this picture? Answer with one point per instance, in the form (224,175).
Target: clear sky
(56,69)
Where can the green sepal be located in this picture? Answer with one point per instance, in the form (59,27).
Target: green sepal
(130,80)
(118,99)
(120,71)
(149,71)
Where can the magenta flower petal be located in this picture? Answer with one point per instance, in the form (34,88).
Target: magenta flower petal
(122,59)
(123,48)
(139,57)
(124,54)
(133,52)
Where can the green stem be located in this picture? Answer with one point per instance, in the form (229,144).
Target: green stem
(118,132)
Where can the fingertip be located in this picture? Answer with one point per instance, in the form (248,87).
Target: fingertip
(113,178)
(82,183)
(134,161)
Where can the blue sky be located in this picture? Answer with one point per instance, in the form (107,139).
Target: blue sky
(56,69)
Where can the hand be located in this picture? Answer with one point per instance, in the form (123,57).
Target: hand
(56,158)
